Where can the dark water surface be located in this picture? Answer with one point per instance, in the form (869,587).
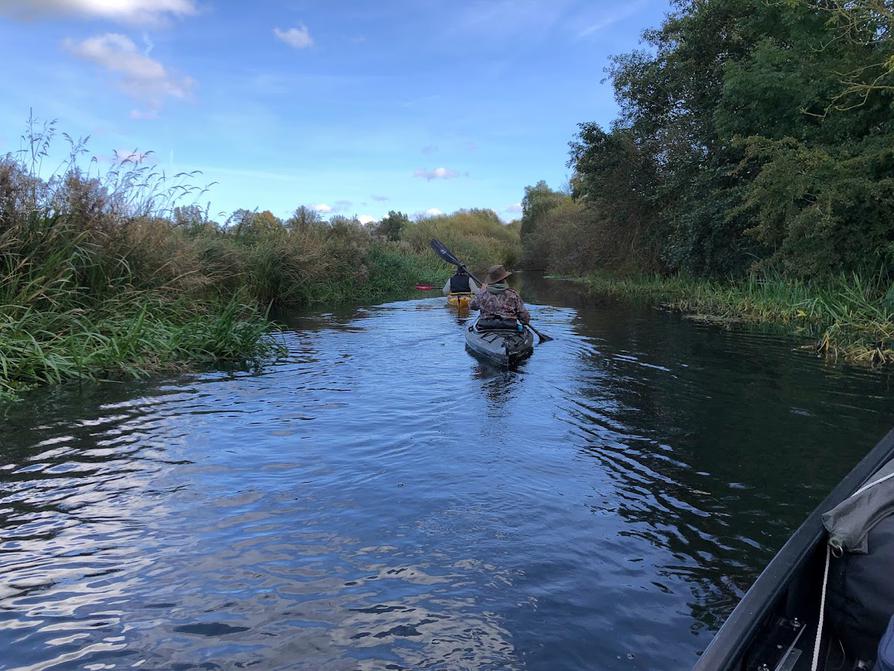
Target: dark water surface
(381,500)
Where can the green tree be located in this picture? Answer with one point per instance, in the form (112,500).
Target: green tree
(537,203)
(752,136)
(303,219)
(250,225)
(393,225)
(193,219)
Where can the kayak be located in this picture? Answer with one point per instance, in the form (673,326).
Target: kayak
(459,301)
(832,575)
(501,346)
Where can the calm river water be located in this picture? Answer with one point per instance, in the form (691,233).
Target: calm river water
(379,499)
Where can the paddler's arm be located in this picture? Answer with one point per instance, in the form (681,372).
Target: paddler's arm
(523,315)
(475,305)
(446,289)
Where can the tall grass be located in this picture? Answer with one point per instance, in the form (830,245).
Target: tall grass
(849,316)
(94,281)
(127,336)
(113,272)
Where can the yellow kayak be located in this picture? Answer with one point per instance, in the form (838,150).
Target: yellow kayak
(460,301)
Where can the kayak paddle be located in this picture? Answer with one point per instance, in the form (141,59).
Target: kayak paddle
(441,250)
(543,337)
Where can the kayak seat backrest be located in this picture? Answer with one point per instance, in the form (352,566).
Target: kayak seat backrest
(496,324)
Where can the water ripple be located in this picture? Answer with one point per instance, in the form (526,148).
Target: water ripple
(379,499)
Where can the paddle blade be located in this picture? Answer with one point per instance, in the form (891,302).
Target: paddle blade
(441,250)
(542,336)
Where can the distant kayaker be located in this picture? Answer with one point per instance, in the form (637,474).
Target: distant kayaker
(460,283)
(499,304)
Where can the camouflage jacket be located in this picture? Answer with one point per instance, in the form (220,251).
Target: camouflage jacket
(496,302)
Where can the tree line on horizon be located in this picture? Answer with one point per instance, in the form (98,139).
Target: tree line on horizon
(754,137)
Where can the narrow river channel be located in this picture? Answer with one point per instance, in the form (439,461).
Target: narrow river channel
(379,499)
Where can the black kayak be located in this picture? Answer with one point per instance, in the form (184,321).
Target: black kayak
(500,346)
(836,571)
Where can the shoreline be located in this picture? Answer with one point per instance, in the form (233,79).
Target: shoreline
(848,319)
(140,333)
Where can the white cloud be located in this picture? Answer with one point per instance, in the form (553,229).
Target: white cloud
(515,208)
(143,114)
(436,173)
(366,219)
(299,37)
(433,212)
(322,208)
(536,21)
(509,19)
(379,199)
(144,12)
(610,18)
(142,77)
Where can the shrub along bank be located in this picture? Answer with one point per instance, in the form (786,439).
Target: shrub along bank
(847,317)
(105,275)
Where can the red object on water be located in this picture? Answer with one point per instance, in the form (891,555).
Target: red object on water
(424,287)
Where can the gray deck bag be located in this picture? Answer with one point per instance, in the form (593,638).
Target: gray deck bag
(860,598)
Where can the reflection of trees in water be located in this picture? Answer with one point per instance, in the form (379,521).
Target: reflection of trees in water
(660,507)
(535,288)
(696,428)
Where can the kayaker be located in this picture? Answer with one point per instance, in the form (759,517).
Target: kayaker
(499,304)
(460,283)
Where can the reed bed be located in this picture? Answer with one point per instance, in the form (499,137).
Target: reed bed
(850,317)
(94,282)
(126,337)
(117,272)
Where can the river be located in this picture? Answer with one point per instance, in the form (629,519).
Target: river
(379,499)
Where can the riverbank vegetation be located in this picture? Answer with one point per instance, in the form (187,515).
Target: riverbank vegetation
(750,172)
(841,314)
(108,273)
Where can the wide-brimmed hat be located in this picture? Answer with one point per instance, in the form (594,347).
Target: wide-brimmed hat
(496,274)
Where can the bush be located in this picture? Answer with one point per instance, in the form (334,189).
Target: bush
(478,237)
(110,273)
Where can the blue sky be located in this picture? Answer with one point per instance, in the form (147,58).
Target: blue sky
(355,107)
